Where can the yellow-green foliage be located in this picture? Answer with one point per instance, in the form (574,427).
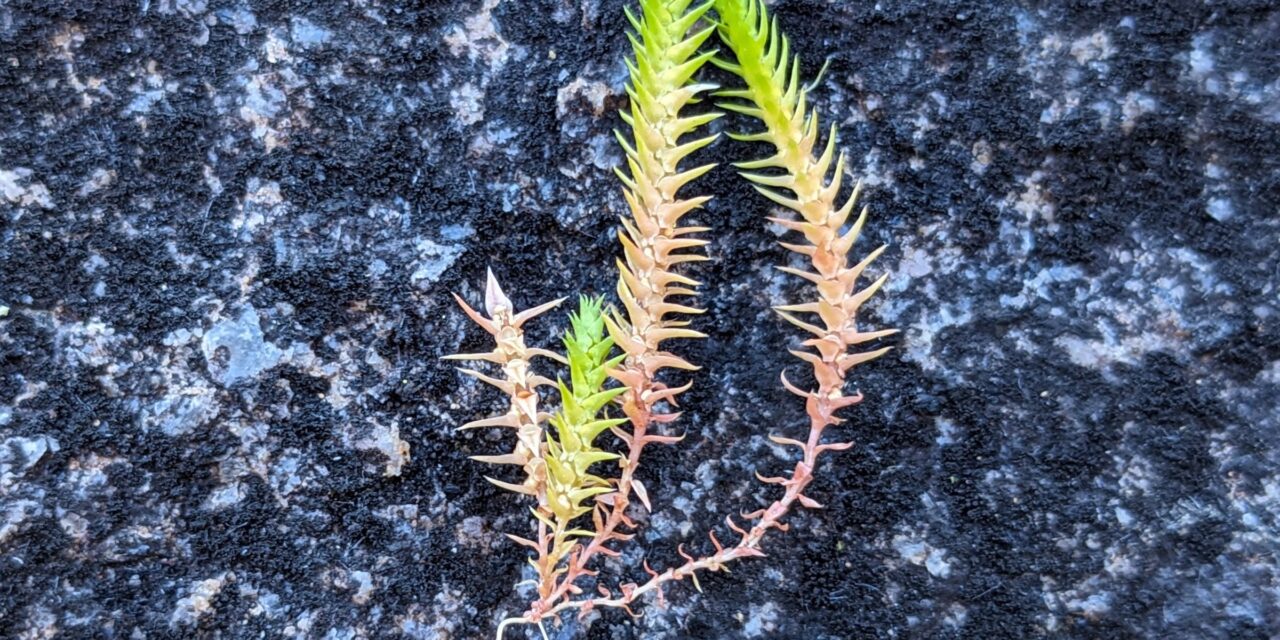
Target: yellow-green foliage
(571,451)
(654,242)
(773,95)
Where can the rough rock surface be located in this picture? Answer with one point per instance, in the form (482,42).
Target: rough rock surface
(228,229)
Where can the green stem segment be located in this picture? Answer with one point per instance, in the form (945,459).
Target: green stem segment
(571,450)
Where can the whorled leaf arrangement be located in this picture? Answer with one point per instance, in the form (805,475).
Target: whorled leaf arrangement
(653,240)
(775,96)
(557,463)
(655,243)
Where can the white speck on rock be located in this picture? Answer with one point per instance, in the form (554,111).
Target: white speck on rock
(923,333)
(386,440)
(1096,46)
(495,137)
(307,34)
(472,533)
(1113,347)
(1093,606)
(1037,287)
(937,564)
(74,525)
(189,7)
(1201,58)
(276,48)
(234,349)
(225,496)
(198,601)
(594,92)
(433,260)
(468,104)
(957,615)
(93,344)
(1124,517)
(457,231)
(604,152)
(1136,104)
(19,454)
(93,263)
(916,262)
(763,620)
(1060,107)
(1220,209)
(340,633)
(365,589)
(240,19)
(34,449)
(25,196)
(478,38)
(100,179)
(143,101)
(263,204)
(1034,202)
(921,553)
(438,619)
(264,99)
(982,155)
(16,512)
(284,473)
(946,431)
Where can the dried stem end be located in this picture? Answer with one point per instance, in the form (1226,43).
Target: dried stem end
(518,381)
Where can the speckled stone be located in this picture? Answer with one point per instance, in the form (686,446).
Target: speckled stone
(228,229)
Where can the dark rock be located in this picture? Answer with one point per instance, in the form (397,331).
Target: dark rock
(228,232)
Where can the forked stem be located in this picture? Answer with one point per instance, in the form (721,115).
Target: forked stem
(748,545)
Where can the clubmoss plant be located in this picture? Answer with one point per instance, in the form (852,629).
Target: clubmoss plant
(558,463)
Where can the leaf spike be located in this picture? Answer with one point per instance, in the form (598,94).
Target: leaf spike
(781,181)
(862,296)
(790,203)
(526,315)
(792,388)
(509,419)
(770,480)
(800,323)
(517,488)
(811,277)
(506,458)
(494,298)
(786,441)
(475,316)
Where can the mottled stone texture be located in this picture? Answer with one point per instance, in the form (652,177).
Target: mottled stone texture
(228,228)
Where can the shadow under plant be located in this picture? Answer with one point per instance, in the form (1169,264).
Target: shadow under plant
(229,229)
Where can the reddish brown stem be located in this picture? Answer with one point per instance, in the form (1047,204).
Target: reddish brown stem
(749,543)
(578,563)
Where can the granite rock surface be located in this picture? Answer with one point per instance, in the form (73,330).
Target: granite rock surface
(228,231)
